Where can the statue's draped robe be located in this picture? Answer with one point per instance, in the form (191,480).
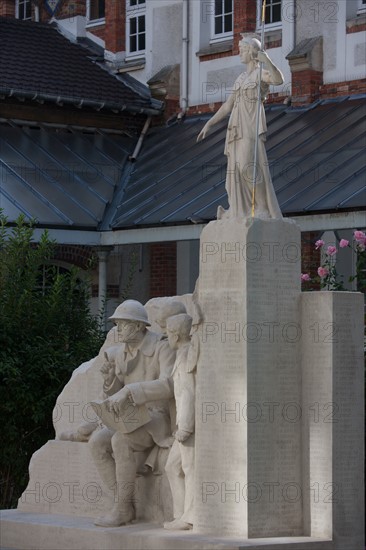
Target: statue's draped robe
(240,147)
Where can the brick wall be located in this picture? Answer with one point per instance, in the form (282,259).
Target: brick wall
(244,22)
(98,31)
(112,291)
(71,8)
(245,13)
(44,14)
(356,28)
(356,25)
(65,10)
(310,258)
(204,108)
(163,269)
(306,86)
(78,255)
(339,89)
(210,108)
(172,106)
(7,8)
(218,55)
(115,31)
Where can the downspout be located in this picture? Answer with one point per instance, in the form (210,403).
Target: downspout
(294,37)
(36,13)
(295,25)
(133,157)
(185,40)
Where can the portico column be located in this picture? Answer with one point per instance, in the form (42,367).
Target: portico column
(103,255)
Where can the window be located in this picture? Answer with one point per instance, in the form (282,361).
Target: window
(47,275)
(95,10)
(23,9)
(136,27)
(362,7)
(273,14)
(223,19)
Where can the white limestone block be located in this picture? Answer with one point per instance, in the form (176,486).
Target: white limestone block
(333,415)
(248,436)
(72,405)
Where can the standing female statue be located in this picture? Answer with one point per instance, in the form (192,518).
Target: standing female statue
(241,137)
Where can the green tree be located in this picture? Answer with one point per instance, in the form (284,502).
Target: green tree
(46,331)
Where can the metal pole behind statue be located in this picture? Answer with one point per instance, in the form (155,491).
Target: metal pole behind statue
(258,111)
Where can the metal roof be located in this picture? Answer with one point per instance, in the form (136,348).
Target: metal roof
(60,177)
(64,177)
(316,154)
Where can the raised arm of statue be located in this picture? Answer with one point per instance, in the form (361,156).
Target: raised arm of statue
(271,74)
(250,192)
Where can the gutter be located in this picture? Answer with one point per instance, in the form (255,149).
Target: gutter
(313,222)
(78,102)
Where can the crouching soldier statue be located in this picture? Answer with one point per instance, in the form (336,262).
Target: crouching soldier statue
(142,356)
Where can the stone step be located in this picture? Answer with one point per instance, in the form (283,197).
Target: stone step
(27,531)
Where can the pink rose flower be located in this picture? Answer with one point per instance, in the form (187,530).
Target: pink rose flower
(343,243)
(323,271)
(360,236)
(361,247)
(319,244)
(331,250)
(305,277)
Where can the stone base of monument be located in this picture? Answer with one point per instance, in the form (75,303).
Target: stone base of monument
(27,531)
(64,480)
(279,419)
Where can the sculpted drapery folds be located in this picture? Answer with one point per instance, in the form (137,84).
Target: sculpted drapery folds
(241,136)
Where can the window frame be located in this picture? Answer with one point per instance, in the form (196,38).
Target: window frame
(23,4)
(224,36)
(132,12)
(361,7)
(268,26)
(93,22)
(140,4)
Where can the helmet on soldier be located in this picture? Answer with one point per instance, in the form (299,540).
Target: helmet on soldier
(130,310)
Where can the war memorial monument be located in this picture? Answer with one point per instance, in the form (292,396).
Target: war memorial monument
(228,418)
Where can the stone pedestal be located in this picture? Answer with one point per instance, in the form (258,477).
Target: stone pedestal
(333,415)
(279,418)
(248,426)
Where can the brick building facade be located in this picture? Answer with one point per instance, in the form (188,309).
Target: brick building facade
(186,50)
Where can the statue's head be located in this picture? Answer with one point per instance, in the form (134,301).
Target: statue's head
(178,329)
(249,44)
(169,309)
(131,320)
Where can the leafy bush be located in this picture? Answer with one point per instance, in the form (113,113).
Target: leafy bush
(46,331)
